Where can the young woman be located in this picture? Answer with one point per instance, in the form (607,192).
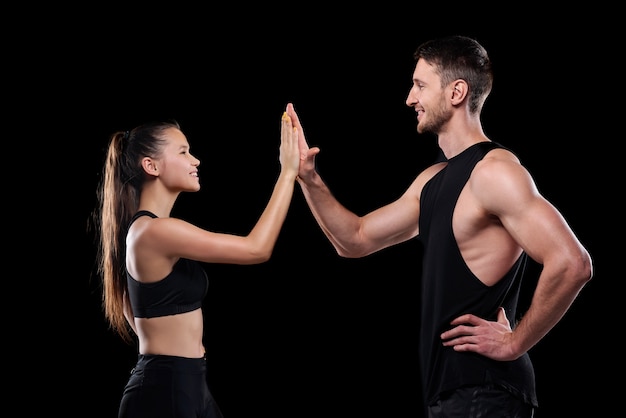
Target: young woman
(153,282)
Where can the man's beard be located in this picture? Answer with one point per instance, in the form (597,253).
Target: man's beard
(435,119)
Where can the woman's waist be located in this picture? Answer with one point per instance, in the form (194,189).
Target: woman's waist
(170,338)
(169,362)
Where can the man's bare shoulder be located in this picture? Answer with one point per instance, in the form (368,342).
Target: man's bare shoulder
(500,154)
(498,164)
(499,180)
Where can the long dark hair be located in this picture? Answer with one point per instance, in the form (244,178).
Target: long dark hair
(118,200)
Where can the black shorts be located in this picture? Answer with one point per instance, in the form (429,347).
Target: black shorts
(485,401)
(168,387)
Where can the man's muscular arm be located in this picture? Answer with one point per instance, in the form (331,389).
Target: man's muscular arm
(507,191)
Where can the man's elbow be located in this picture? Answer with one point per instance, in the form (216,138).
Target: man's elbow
(580,269)
(353,251)
(586,268)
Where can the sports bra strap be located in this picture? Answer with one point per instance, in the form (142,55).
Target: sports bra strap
(142,213)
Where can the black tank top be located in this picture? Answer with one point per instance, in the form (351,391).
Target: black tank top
(182,290)
(449,289)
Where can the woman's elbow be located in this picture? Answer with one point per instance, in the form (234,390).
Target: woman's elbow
(260,255)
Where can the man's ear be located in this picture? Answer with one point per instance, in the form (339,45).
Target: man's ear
(149,166)
(459,91)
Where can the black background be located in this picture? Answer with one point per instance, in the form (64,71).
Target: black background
(309,334)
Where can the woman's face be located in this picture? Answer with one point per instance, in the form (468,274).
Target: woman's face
(176,167)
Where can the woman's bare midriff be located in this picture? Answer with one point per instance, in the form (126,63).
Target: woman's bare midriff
(173,335)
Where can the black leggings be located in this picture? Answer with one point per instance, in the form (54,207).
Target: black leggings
(168,387)
(484,401)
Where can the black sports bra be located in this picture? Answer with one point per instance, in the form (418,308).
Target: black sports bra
(182,290)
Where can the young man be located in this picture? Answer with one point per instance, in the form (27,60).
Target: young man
(479,216)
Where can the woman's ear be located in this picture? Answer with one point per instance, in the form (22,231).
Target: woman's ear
(149,166)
